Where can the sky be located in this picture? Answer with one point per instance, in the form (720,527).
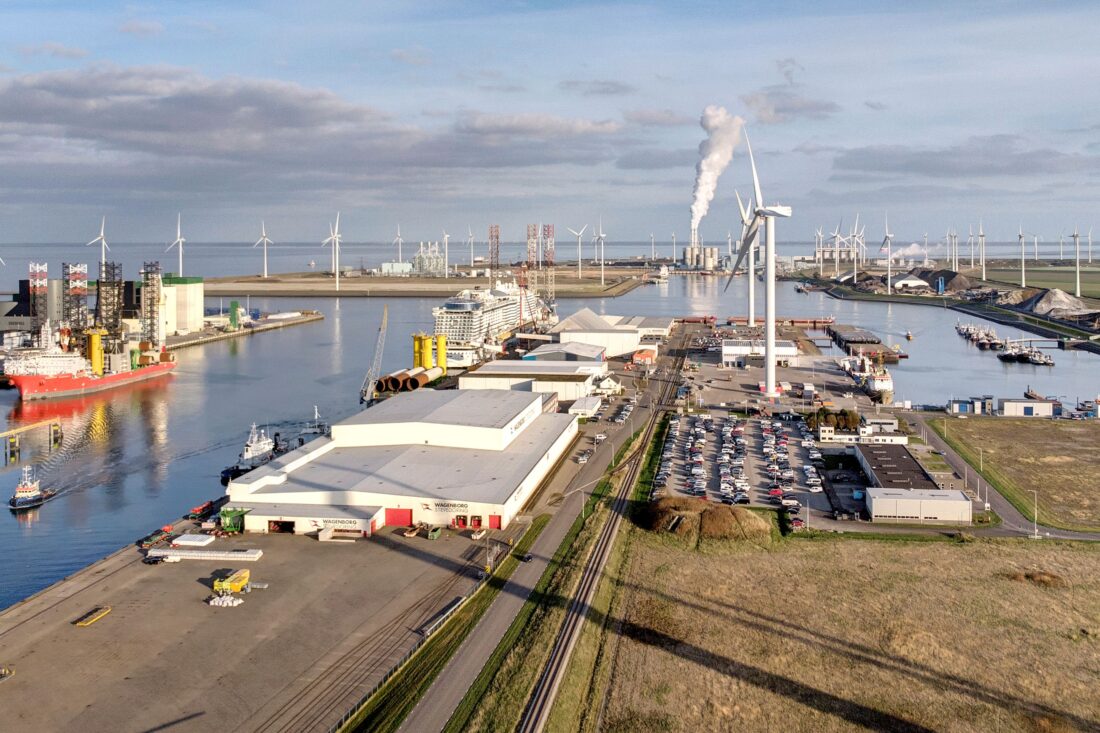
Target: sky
(440,115)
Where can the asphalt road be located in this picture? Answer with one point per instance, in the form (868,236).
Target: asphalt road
(439,702)
(1013,523)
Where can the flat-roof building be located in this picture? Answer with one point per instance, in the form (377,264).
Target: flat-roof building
(917,506)
(461,458)
(574,351)
(1027,408)
(568,380)
(893,467)
(738,352)
(617,335)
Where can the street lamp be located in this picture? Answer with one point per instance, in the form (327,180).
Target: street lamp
(1035,518)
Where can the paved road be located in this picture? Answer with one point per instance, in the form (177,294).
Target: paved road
(1013,523)
(439,702)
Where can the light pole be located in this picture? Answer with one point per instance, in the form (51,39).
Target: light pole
(981,460)
(1035,518)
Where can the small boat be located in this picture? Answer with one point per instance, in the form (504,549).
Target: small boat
(317,427)
(28,493)
(258,450)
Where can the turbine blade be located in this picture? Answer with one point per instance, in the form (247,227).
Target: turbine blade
(755,178)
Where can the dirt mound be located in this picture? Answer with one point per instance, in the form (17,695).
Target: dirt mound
(724,522)
(1016,297)
(1038,577)
(1056,304)
(683,516)
(952,281)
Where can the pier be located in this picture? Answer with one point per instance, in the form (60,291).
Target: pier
(11,437)
(854,340)
(211,335)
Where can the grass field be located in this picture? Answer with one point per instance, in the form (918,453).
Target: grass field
(1050,277)
(1058,458)
(830,634)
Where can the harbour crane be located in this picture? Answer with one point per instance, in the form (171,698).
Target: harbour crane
(366,392)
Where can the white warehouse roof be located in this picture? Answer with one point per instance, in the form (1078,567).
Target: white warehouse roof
(446,407)
(538,367)
(587,351)
(876,492)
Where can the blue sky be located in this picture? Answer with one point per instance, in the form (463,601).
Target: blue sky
(439,115)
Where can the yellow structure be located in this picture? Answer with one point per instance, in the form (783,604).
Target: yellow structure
(441,352)
(95,349)
(418,358)
(425,351)
(235,583)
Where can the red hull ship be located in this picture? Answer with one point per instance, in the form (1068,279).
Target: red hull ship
(47,387)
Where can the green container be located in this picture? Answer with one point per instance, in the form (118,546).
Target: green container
(234,308)
(134,354)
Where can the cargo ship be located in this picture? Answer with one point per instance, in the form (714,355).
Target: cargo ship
(44,374)
(476,322)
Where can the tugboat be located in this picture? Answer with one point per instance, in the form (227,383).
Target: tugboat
(258,450)
(28,494)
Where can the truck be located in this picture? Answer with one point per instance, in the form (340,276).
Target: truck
(236,582)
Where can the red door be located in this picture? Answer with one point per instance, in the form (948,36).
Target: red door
(475,522)
(373,526)
(399,517)
(494,521)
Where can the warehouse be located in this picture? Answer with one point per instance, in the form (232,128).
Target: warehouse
(569,380)
(586,406)
(893,467)
(1027,408)
(459,458)
(587,327)
(905,506)
(567,352)
(738,352)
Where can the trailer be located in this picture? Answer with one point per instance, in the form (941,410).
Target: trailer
(235,583)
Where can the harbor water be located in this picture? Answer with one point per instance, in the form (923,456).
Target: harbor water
(139,456)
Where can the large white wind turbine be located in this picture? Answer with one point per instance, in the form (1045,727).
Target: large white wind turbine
(888,245)
(102,240)
(446,254)
(838,239)
(334,240)
(1023,256)
(601,242)
(470,241)
(748,220)
(1077,261)
(178,243)
(970,244)
(398,241)
(981,246)
(769,215)
(264,241)
(580,257)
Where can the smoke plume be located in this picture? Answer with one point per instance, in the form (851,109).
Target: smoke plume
(715,152)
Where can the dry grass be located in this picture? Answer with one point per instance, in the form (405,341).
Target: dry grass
(1056,457)
(838,635)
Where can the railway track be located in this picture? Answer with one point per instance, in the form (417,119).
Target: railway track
(542,698)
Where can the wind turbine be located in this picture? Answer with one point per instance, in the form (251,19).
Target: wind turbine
(674,246)
(334,239)
(888,245)
(819,251)
(838,240)
(264,241)
(470,241)
(970,243)
(1090,245)
(1023,254)
(178,243)
(398,241)
(748,219)
(652,247)
(102,240)
(981,246)
(600,240)
(1077,261)
(446,254)
(769,215)
(854,244)
(1061,244)
(580,258)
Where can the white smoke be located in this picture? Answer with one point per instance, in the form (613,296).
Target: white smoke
(909,251)
(715,152)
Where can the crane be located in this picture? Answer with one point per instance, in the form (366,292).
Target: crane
(366,392)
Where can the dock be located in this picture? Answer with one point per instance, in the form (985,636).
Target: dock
(853,340)
(210,335)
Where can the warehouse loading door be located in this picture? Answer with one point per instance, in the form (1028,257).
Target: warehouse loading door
(399,517)
(494,521)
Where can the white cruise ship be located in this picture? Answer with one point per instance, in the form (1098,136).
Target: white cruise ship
(477,322)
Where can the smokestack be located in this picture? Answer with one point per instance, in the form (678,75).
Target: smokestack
(715,152)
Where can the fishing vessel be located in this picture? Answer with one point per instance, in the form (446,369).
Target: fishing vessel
(51,373)
(28,493)
(258,450)
(478,321)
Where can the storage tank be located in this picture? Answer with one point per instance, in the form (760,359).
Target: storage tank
(441,352)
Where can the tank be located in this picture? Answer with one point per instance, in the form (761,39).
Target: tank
(441,352)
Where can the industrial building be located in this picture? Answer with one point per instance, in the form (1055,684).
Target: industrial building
(864,435)
(1027,408)
(457,458)
(905,506)
(972,406)
(567,352)
(750,352)
(586,406)
(893,467)
(618,335)
(568,380)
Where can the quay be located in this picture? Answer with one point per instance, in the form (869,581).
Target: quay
(210,335)
(854,340)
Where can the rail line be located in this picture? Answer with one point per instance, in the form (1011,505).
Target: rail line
(542,698)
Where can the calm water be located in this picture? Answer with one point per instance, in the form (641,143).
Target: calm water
(134,458)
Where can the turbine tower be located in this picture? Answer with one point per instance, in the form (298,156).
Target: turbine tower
(1077,261)
(334,239)
(264,241)
(580,257)
(470,241)
(970,243)
(837,241)
(1023,256)
(981,247)
(601,241)
(748,216)
(652,247)
(102,240)
(178,243)
(398,241)
(674,247)
(446,254)
(768,214)
(888,245)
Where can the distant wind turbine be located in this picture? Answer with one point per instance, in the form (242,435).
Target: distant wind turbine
(1077,261)
(1023,257)
(887,244)
(178,243)
(398,241)
(470,241)
(446,254)
(334,239)
(580,256)
(102,240)
(264,241)
(601,241)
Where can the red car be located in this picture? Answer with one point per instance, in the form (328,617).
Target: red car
(775,492)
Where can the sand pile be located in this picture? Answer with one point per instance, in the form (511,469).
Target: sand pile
(952,281)
(1055,303)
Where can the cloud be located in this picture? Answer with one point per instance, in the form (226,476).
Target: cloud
(779,103)
(596,87)
(532,125)
(980,156)
(142,28)
(652,159)
(657,118)
(415,56)
(503,88)
(787,67)
(57,50)
(876,106)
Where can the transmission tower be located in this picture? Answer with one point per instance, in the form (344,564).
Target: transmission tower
(150,303)
(532,258)
(494,252)
(548,239)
